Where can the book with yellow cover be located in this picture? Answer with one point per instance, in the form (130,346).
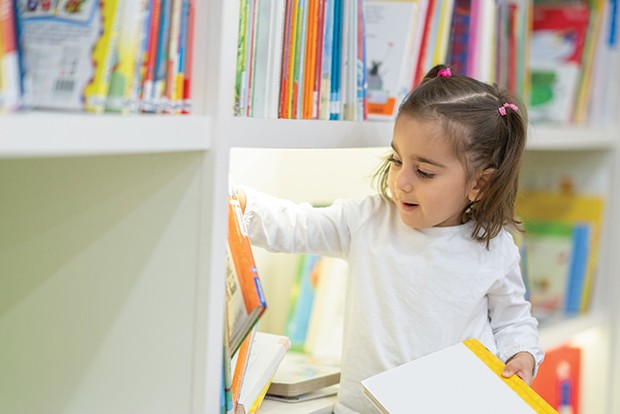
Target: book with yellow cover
(462,378)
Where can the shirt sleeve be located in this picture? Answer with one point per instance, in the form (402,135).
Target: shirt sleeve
(514,327)
(280,225)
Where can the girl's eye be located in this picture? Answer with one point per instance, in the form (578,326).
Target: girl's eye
(425,174)
(392,159)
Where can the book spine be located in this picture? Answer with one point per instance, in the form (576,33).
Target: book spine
(181,70)
(189,60)
(334,100)
(97,91)
(10,88)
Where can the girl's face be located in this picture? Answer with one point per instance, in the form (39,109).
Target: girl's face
(426,180)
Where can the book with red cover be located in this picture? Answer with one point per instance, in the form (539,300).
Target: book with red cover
(559,33)
(558,378)
(244,293)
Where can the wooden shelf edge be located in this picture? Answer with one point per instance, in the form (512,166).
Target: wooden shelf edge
(557,333)
(47,134)
(287,133)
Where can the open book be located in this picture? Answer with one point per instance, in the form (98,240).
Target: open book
(463,378)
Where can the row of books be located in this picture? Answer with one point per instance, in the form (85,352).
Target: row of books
(301,59)
(94,55)
(559,250)
(331,59)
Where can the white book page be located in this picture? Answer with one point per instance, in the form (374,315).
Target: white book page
(453,380)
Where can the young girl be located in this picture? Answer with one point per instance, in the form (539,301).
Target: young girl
(430,261)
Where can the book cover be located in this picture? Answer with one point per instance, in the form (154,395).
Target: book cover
(239,365)
(465,377)
(244,292)
(557,43)
(388,25)
(548,246)
(67,49)
(96,92)
(302,300)
(127,56)
(594,32)
(326,326)
(572,208)
(559,378)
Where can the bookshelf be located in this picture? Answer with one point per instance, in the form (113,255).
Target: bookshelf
(111,235)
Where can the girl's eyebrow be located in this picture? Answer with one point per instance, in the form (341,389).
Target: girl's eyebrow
(421,159)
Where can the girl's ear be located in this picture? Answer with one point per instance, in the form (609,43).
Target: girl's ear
(478,184)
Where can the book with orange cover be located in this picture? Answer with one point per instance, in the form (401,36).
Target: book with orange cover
(240,364)
(244,293)
(559,378)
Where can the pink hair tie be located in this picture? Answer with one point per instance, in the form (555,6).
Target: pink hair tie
(444,73)
(502,109)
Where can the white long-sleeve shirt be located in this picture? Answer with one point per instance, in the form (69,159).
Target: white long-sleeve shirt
(410,292)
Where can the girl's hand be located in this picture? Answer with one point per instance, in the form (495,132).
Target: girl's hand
(241,198)
(522,364)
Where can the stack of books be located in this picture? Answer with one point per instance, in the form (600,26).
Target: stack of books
(301,377)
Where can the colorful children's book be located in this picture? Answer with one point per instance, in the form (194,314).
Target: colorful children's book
(244,292)
(325,329)
(558,37)
(302,300)
(239,365)
(578,210)
(548,245)
(389,24)
(68,52)
(465,377)
(559,378)
(127,55)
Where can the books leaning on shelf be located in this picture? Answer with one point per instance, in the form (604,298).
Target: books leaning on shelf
(245,300)
(559,35)
(559,379)
(560,250)
(462,378)
(300,374)
(95,55)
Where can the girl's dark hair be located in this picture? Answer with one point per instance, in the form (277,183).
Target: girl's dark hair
(469,113)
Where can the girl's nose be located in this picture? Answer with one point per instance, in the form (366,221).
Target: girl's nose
(404,181)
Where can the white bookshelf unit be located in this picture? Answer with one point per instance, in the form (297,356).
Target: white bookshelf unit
(112,232)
